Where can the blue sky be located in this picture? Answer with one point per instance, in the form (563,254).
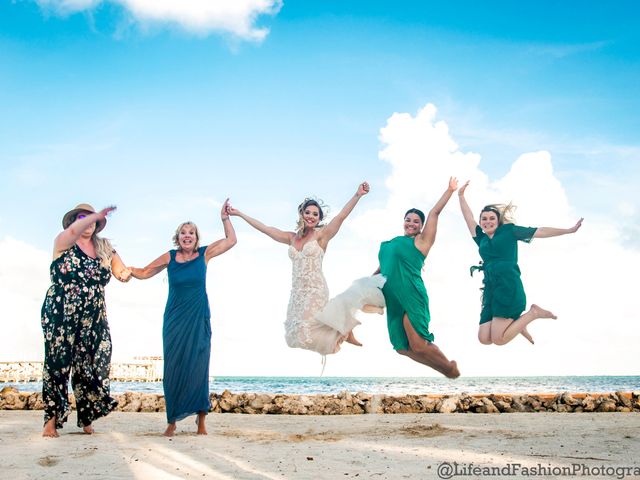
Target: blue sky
(103,104)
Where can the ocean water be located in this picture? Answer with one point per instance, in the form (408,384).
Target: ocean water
(391,385)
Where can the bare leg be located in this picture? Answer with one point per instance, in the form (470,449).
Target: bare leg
(525,333)
(352,340)
(50,428)
(88,429)
(427,353)
(202,429)
(503,330)
(484,333)
(171,428)
(372,309)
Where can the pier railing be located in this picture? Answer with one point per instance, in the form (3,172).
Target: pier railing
(140,369)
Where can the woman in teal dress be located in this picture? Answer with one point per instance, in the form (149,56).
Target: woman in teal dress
(186,329)
(401,260)
(503,297)
(74,321)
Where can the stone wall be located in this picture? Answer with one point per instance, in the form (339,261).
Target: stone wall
(348,404)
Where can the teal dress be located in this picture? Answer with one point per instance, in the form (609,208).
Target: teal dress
(186,337)
(502,294)
(404,291)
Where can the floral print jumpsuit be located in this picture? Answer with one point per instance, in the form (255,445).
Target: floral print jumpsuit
(77,339)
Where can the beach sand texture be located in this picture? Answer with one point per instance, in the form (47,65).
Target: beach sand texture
(403,446)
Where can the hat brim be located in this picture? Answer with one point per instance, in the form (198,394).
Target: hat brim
(70,216)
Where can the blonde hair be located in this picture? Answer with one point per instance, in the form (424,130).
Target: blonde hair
(104,250)
(176,243)
(505,212)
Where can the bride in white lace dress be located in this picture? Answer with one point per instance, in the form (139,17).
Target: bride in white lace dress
(313,321)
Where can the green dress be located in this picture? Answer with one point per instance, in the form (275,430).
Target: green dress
(503,294)
(404,292)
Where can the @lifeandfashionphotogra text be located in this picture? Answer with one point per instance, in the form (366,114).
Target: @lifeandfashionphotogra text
(447,470)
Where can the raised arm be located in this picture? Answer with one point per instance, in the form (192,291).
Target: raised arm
(466,211)
(426,238)
(71,234)
(276,234)
(229,240)
(328,232)
(546,232)
(153,268)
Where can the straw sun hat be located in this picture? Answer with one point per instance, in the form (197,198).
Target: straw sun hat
(70,216)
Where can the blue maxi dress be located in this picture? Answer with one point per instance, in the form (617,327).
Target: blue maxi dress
(186,336)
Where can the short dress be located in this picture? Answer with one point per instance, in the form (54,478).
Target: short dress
(404,291)
(503,293)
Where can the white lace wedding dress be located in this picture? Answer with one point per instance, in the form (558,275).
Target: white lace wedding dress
(313,321)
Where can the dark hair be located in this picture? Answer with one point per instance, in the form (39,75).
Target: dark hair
(493,209)
(308,202)
(417,212)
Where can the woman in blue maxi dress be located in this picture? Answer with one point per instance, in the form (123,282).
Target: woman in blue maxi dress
(186,330)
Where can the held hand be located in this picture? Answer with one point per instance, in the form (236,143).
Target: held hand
(463,188)
(224,211)
(363,189)
(576,227)
(453,184)
(125,275)
(232,212)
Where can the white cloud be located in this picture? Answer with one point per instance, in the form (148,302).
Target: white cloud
(235,17)
(586,278)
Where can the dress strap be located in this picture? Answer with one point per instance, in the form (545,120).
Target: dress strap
(172,255)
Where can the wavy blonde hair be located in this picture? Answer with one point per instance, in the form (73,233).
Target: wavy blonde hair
(104,250)
(505,212)
(176,243)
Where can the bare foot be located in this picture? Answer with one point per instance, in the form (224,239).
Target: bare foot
(539,312)
(171,428)
(372,309)
(50,429)
(88,430)
(352,340)
(453,370)
(202,430)
(525,333)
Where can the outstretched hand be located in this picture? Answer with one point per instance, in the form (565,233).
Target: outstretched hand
(577,226)
(106,211)
(363,189)
(463,188)
(453,184)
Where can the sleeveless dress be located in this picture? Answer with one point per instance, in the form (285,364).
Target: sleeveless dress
(401,264)
(186,338)
(77,339)
(313,322)
(502,293)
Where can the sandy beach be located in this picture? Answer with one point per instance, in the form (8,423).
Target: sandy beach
(130,446)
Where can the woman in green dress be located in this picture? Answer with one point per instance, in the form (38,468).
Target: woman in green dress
(503,297)
(401,260)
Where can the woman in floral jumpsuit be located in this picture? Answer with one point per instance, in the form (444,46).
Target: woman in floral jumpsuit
(74,321)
